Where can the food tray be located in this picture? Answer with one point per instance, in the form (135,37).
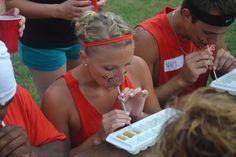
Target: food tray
(141,134)
(226,83)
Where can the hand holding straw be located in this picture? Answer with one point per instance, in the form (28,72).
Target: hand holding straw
(213,70)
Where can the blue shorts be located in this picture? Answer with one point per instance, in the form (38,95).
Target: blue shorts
(47,59)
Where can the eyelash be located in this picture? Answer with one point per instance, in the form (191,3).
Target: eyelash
(108,69)
(112,68)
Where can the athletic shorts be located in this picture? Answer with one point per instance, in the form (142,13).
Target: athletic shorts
(47,59)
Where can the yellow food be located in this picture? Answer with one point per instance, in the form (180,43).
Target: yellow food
(122,137)
(128,134)
(137,131)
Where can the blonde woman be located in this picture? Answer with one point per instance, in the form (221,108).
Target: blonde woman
(84,102)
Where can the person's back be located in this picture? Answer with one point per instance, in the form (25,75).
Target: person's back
(184,44)
(204,127)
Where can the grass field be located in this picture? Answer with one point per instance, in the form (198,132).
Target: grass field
(133,11)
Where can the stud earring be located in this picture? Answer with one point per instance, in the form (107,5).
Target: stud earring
(86,64)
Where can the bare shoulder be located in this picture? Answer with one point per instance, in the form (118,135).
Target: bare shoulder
(138,70)
(141,34)
(58,106)
(138,62)
(56,96)
(143,37)
(146,47)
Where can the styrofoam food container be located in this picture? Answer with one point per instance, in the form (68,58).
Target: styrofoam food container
(226,83)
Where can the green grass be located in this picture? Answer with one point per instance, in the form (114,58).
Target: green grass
(133,11)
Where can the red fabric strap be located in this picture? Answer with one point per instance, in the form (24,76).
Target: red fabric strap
(108,41)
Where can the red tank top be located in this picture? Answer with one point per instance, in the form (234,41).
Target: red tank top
(171,56)
(90,118)
(25,113)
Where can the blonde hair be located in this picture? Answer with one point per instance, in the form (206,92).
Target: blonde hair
(93,26)
(205,128)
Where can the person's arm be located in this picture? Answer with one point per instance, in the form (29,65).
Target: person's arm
(195,64)
(55,106)
(146,48)
(66,10)
(52,149)
(2,7)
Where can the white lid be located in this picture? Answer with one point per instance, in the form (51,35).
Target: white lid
(8,18)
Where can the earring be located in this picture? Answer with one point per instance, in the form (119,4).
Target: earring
(85,64)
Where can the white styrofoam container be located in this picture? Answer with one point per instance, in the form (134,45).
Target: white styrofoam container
(141,134)
(226,83)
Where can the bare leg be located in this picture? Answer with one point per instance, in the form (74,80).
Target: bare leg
(43,79)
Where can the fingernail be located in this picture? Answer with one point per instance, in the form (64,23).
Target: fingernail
(131,94)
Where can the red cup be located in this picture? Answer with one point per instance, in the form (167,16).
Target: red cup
(94,3)
(9,27)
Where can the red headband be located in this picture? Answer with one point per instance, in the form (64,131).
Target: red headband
(108,41)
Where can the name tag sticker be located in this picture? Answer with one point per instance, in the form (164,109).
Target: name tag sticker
(174,63)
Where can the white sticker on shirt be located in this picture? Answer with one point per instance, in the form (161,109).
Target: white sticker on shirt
(174,63)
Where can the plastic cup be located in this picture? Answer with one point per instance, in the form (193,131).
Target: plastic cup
(9,26)
(94,3)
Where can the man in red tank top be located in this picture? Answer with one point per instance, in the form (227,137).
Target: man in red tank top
(181,46)
(24,130)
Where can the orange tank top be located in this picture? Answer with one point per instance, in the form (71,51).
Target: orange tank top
(171,55)
(90,118)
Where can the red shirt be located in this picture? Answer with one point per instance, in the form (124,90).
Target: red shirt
(24,112)
(171,56)
(90,118)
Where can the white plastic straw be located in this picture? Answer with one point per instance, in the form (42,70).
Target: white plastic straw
(214,72)
(122,103)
